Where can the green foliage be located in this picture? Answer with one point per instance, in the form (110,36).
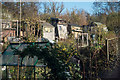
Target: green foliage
(66,50)
(110,34)
(58,59)
(5,46)
(112,22)
(107,13)
(61,65)
(57,69)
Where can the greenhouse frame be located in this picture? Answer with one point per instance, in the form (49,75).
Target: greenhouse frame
(11,63)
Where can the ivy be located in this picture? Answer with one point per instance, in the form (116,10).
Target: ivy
(57,68)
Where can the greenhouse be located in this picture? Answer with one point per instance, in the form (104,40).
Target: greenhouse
(15,67)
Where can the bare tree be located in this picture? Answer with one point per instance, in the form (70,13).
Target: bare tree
(76,16)
(52,9)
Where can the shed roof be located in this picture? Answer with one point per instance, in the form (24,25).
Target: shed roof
(74,25)
(47,24)
(8,20)
(57,19)
(93,24)
(98,23)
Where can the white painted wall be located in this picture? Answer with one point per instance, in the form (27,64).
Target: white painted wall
(49,35)
(62,31)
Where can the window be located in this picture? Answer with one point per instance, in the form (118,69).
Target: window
(60,27)
(48,29)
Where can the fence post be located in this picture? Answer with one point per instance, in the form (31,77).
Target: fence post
(107,49)
(18,72)
(90,68)
(82,39)
(118,47)
(117,43)
(34,72)
(6,72)
(83,70)
(87,39)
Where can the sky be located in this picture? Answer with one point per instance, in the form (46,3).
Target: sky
(87,6)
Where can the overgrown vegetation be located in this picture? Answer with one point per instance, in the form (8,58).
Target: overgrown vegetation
(64,60)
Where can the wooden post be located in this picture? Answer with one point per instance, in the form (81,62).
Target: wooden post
(87,39)
(6,73)
(82,39)
(34,72)
(20,18)
(77,41)
(90,68)
(96,66)
(117,46)
(17,28)
(18,74)
(107,49)
(117,50)
(77,44)
(84,70)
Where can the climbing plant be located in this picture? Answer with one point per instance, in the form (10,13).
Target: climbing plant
(66,52)
(58,58)
(57,68)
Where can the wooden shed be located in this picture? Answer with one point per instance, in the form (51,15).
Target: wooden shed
(48,31)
